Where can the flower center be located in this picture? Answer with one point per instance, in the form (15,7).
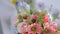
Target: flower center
(33,20)
(33,28)
(46,30)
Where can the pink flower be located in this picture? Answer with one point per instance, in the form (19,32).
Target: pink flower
(51,27)
(24,33)
(45,18)
(33,16)
(34,28)
(22,27)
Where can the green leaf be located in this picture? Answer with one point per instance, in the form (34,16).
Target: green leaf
(27,11)
(20,18)
(55,15)
(18,12)
(40,18)
(44,12)
(33,11)
(29,20)
(29,1)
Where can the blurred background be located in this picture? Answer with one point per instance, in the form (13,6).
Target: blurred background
(8,12)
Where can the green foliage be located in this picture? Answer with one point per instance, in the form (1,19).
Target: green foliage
(18,12)
(32,11)
(20,18)
(27,11)
(40,19)
(55,15)
(40,16)
(29,1)
(44,12)
(29,20)
(58,28)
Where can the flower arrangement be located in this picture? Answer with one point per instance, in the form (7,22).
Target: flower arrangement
(32,21)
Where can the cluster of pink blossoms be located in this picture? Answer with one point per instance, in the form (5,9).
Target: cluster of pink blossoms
(51,27)
(36,28)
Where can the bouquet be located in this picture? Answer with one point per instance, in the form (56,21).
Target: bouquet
(32,21)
